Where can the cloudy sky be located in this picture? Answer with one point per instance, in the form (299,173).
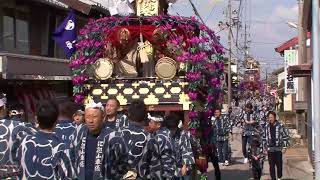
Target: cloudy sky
(267,20)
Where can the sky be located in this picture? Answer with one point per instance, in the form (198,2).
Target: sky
(267,21)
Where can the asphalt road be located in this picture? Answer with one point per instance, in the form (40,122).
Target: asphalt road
(237,170)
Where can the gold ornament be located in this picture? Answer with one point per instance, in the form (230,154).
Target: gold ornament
(124,36)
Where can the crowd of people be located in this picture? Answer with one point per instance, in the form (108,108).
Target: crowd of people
(262,134)
(96,142)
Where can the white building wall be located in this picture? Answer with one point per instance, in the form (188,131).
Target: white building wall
(288,99)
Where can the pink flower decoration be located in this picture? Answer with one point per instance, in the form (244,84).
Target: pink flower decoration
(210,98)
(193,131)
(79,98)
(193,95)
(193,76)
(192,114)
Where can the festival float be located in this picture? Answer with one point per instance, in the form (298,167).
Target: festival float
(172,63)
(251,82)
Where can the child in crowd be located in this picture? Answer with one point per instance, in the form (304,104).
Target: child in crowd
(256,157)
(78,117)
(181,141)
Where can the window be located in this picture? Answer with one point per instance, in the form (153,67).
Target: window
(15,31)
(59,51)
(22,36)
(8,33)
(45,33)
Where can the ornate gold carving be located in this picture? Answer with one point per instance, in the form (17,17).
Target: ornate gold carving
(97,92)
(167,84)
(151,85)
(88,100)
(135,85)
(167,95)
(135,96)
(128,91)
(159,35)
(175,90)
(143,90)
(151,100)
(104,86)
(147,7)
(104,97)
(123,101)
(124,36)
(112,91)
(120,85)
(159,90)
(148,48)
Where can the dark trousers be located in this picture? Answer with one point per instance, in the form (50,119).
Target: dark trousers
(223,150)
(275,159)
(215,163)
(245,140)
(257,169)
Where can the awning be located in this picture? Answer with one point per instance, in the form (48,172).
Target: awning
(26,67)
(302,70)
(83,6)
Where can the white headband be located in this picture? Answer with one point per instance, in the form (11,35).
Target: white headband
(95,106)
(156,119)
(3,101)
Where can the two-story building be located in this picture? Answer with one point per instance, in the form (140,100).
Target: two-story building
(32,66)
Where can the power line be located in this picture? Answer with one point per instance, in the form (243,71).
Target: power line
(196,11)
(257,42)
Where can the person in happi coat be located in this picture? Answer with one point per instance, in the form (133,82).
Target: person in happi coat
(43,155)
(275,141)
(143,148)
(222,127)
(16,112)
(181,141)
(12,133)
(78,118)
(250,119)
(162,135)
(65,128)
(3,102)
(114,119)
(263,116)
(100,152)
(256,156)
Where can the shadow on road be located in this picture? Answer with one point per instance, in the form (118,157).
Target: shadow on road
(231,174)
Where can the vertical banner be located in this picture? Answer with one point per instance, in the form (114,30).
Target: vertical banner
(66,35)
(290,83)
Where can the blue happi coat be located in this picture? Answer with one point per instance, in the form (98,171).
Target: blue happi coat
(143,152)
(282,138)
(121,121)
(43,156)
(111,161)
(65,130)
(166,151)
(248,129)
(222,127)
(11,135)
(181,141)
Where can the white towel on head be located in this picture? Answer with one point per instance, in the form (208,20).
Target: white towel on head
(180,125)
(156,119)
(95,106)
(3,101)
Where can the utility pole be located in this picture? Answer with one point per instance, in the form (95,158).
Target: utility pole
(302,81)
(229,61)
(245,43)
(316,84)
